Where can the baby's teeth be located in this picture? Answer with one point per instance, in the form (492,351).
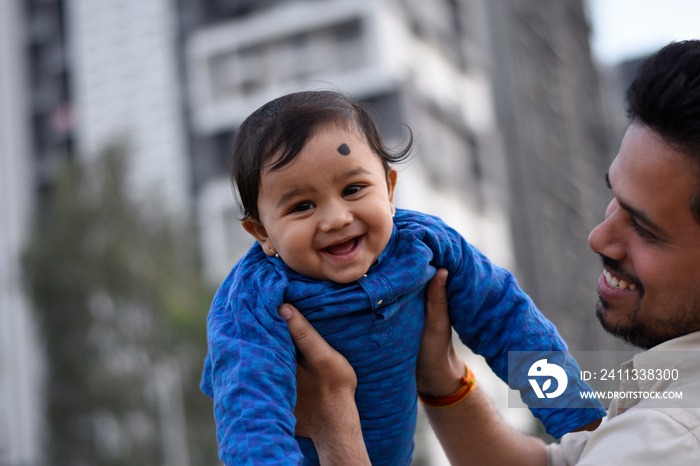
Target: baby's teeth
(623,284)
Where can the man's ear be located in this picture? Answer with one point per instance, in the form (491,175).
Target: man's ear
(391,176)
(258,231)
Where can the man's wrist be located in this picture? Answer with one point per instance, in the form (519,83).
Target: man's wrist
(337,432)
(466,384)
(443,380)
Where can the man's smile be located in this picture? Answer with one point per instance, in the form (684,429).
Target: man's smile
(618,283)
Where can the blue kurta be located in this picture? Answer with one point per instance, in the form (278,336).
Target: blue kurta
(376,323)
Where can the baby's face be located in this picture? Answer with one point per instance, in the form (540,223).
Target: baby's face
(328,214)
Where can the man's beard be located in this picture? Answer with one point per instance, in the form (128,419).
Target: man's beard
(646,336)
(634,334)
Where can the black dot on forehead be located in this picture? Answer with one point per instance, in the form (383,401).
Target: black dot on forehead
(343,149)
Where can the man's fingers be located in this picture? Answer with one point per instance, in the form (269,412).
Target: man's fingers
(438,367)
(305,337)
(437,293)
(436,301)
(315,354)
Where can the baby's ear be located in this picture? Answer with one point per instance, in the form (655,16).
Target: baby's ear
(258,231)
(391,176)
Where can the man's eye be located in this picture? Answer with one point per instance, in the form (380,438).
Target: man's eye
(354,189)
(302,207)
(646,234)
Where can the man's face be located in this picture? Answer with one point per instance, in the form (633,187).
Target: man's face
(649,243)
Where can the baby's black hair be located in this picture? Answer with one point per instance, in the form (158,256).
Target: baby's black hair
(274,135)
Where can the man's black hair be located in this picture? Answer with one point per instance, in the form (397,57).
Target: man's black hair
(665,97)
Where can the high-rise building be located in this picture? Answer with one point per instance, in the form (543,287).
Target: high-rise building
(125,89)
(557,141)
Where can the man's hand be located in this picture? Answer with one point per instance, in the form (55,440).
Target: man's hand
(326,410)
(323,374)
(438,368)
(470,432)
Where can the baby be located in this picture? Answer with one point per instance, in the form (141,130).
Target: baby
(316,184)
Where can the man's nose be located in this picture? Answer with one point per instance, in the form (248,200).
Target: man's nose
(608,237)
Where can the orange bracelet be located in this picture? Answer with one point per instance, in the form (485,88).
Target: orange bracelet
(468,382)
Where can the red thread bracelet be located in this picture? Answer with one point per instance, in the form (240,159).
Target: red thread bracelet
(468,382)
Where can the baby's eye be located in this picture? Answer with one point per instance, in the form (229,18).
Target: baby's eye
(354,189)
(302,207)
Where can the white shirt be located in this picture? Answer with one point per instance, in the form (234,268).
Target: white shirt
(645,431)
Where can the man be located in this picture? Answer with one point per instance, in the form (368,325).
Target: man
(649,295)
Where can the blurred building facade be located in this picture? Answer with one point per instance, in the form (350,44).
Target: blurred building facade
(126,89)
(20,355)
(502,97)
(559,145)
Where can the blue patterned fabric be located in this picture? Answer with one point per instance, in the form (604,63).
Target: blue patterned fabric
(376,323)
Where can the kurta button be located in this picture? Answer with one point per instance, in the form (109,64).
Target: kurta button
(379,303)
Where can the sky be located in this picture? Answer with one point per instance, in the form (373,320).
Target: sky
(625,29)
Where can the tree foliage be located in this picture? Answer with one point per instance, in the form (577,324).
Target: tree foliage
(121,304)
